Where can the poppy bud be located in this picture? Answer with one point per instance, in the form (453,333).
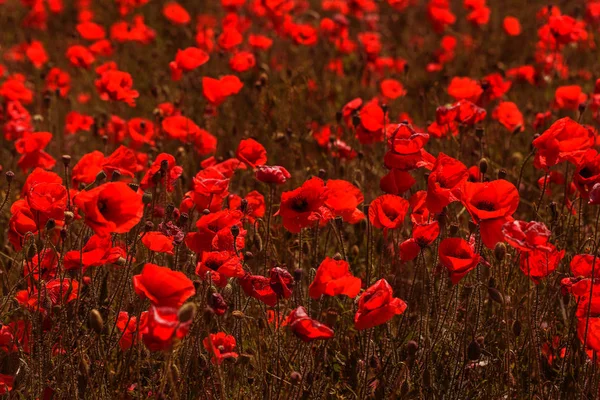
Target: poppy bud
(66,159)
(183,218)
(187,312)
(121,261)
(479,132)
(248,256)
(516,328)
(492,282)
(502,174)
(50,224)
(84,366)
(412,347)
(295,377)
(474,351)
(337,257)
(354,250)
(96,321)
(322,174)
(500,251)
(100,177)
(244,205)
(483,165)
(384,108)
(238,314)
(9,176)
(581,108)
(69,217)
(148,226)
(169,210)
(472,227)
(175,372)
(298,274)
(147,198)
(495,295)
(31,251)
(133,186)
(235,231)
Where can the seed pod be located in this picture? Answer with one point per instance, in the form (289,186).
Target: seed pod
(412,347)
(495,295)
(258,242)
(295,377)
(474,351)
(238,314)
(337,257)
(96,321)
(147,198)
(187,312)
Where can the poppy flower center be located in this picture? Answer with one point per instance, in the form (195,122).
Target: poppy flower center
(586,172)
(486,206)
(102,207)
(299,204)
(212,264)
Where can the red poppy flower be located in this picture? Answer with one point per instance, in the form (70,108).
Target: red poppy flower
(508,114)
(90,30)
(131,333)
(47,201)
(306,328)
(392,89)
(582,265)
(343,199)
(253,208)
(123,161)
(300,207)
(163,328)
(78,122)
(221,346)
(587,173)
(540,262)
(396,182)
(117,86)
(272,174)
(175,13)
(251,152)
(162,286)
(388,212)
(377,305)
(565,140)
(458,257)
(53,293)
(221,265)
(445,182)
(465,88)
(511,26)
(187,60)
(97,251)
(260,42)
(281,282)
(491,205)
(42,266)
(31,147)
(80,57)
(110,208)
(184,129)
(230,38)
(141,131)
(259,287)
(569,97)
(526,236)
(158,242)
(423,234)
(334,278)
(163,170)
(214,232)
(217,90)
(87,168)
(242,61)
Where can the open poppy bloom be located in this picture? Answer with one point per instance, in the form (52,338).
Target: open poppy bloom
(259,287)
(56,292)
(131,333)
(307,328)
(540,262)
(97,251)
(445,182)
(272,174)
(162,286)
(526,236)
(31,147)
(187,60)
(163,170)
(110,208)
(221,346)
(158,242)
(214,232)
(377,305)
(117,86)
(388,212)
(582,265)
(491,205)
(216,91)
(343,199)
(220,265)
(334,278)
(163,329)
(458,257)
(251,152)
(565,140)
(300,208)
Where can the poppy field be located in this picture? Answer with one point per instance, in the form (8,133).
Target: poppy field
(299,199)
